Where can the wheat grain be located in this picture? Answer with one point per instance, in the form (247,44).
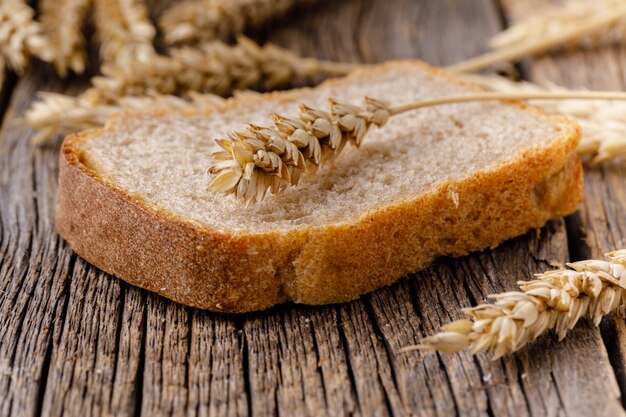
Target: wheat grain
(62,23)
(20,35)
(555,300)
(261,160)
(216,68)
(125,32)
(57,113)
(603,124)
(541,33)
(193,21)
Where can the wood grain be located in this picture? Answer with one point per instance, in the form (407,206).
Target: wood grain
(77,342)
(600,226)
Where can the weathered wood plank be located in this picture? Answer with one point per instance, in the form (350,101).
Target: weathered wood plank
(127,367)
(165,388)
(61,330)
(81,366)
(289,379)
(223,392)
(34,266)
(601,224)
(441,32)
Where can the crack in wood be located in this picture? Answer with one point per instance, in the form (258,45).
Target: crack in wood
(346,351)
(444,369)
(311,327)
(481,372)
(387,349)
(118,332)
(520,382)
(141,366)
(246,369)
(611,339)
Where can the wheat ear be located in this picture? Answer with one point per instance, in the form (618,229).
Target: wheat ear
(125,32)
(57,113)
(568,25)
(556,19)
(603,124)
(194,21)
(62,23)
(555,300)
(261,160)
(20,35)
(217,68)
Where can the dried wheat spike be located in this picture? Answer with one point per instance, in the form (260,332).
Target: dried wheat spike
(216,68)
(556,300)
(57,113)
(20,35)
(603,124)
(194,21)
(575,24)
(125,32)
(558,19)
(62,23)
(262,159)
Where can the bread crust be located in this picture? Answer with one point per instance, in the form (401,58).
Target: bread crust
(236,272)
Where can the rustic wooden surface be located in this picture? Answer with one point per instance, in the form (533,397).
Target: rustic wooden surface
(75,341)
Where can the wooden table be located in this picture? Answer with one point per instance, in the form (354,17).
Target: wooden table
(75,341)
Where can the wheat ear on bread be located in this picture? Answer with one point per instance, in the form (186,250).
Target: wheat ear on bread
(186,247)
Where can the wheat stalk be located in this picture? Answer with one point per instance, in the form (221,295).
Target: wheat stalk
(215,67)
(57,113)
(555,300)
(193,21)
(568,25)
(261,160)
(125,32)
(603,124)
(20,35)
(62,23)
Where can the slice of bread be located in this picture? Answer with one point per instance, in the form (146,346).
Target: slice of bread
(438,181)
